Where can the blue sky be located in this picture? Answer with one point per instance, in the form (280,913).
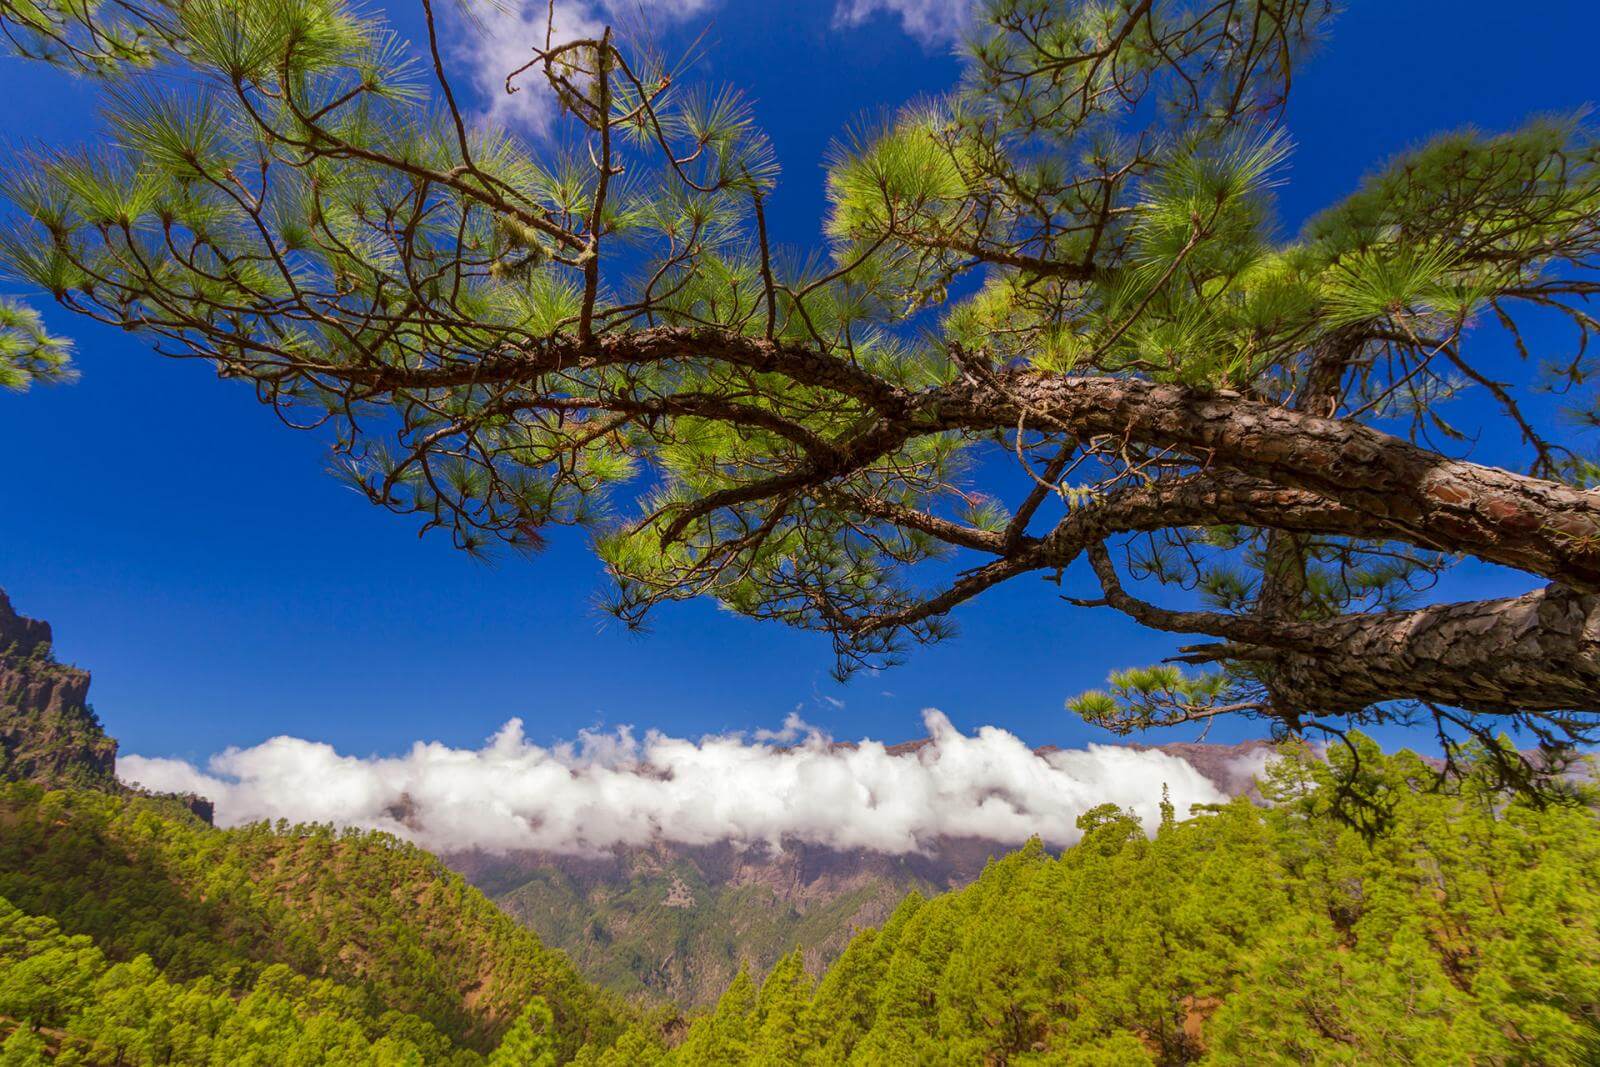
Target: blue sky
(223,588)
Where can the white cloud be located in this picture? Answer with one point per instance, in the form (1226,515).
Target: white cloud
(501,35)
(794,728)
(933,22)
(613,788)
(1250,767)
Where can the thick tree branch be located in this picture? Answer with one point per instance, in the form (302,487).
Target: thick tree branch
(1533,653)
(1421,497)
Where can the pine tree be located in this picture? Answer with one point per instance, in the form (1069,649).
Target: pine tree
(844,1007)
(782,1024)
(1069,260)
(529,1042)
(28,353)
(725,1037)
(1462,928)
(197,942)
(23,1048)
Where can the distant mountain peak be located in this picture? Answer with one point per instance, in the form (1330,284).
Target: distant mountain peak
(20,636)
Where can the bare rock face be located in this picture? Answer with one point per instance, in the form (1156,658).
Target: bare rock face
(48,733)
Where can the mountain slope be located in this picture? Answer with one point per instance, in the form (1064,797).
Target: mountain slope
(108,885)
(47,732)
(63,1000)
(141,876)
(676,923)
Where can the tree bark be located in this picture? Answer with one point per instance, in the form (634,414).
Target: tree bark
(1538,652)
(1421,497)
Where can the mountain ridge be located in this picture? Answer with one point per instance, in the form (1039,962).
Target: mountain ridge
(48,733)
(658,922)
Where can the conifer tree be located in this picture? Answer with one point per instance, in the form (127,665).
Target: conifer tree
(1463,929)
(845,1003)
(529,1043)
(782,1031)
(725,1037)
(28,354)
(23,1048)
(1068,262)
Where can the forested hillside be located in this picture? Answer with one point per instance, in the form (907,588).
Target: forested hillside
(1463,931)
(292,933)
(133,932)
(1077,324)
(66,1002)
(1454,925)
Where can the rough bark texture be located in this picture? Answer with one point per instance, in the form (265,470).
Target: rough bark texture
(1263,465)
(1408,493)
(1537,652)
(1421,497)
(1543,647)
(1289,469)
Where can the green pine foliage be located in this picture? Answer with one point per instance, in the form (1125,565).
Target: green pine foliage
(532,1042)
(500,336)
(28,353)
(1465,930)
(139,879)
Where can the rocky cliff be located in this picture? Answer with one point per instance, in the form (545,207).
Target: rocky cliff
(48,732)
(49,735)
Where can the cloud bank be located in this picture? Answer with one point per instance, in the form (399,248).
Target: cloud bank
(614,788)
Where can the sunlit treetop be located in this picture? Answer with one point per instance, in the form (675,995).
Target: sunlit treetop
(1052,319)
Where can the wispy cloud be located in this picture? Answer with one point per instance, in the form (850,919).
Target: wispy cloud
(501,35)
(615,788)
(933,22)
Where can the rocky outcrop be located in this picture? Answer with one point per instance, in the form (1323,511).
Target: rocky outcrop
(49,735)
(48,732)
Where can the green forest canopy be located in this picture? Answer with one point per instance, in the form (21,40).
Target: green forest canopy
(1065,263)
(1465,933)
